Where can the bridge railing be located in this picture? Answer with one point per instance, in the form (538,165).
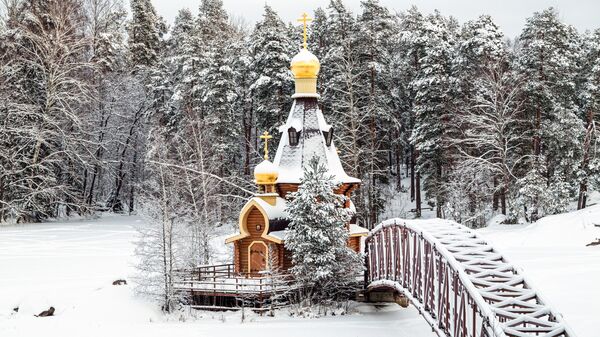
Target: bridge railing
(427,265)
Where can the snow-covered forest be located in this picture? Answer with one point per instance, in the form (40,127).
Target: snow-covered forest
(105,110)
(132,144)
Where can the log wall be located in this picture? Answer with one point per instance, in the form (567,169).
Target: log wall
(354,243)
(253,218)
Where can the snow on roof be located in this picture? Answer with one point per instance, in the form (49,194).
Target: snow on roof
(304,56)
(295,123)
(356,230)
(265,167)
(273,212)
(322,123)
(281,235)
(305,115)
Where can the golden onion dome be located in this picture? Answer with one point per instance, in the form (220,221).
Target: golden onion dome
(266,173)
(305,65)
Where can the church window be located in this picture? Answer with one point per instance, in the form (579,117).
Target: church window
(293,136)
(328,135)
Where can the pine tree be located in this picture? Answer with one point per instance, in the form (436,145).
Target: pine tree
(344,95)
(433,103)
(320,43)
(317,235)
(271,48)
(320,36)
(145,30)
(481,46)
(547,60)
(486,103)
(180,72)
(411,50)
(213,23)
(589,102)
(243,78)
(219,95)
(216,92)
(377,27)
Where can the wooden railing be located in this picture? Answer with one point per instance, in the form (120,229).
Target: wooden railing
(223,280)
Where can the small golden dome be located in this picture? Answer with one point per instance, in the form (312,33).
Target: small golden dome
(266,173)
(305,65)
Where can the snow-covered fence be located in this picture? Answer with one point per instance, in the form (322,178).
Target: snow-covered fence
(219,287)
(460,284)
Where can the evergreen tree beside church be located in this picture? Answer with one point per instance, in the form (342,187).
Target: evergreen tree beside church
(317,234)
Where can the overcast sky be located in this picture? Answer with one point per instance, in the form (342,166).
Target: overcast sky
(509,14)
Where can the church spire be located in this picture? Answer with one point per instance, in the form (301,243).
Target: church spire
(305,19)
(266,137)
(305,66)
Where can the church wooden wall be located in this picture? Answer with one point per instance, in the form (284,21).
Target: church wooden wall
(254,218)
(287,259)
(284,189)
(236,256)
(354,243)
(277,256)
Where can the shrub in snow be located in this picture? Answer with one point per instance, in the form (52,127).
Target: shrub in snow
(164,243)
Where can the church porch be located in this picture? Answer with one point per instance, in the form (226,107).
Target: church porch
(219,287)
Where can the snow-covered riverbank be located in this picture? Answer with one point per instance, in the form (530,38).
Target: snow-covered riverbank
(71,266)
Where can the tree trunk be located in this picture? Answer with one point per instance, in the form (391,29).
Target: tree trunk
(133,177)
(495,196)
(503,200)
(582,200)
(114,197)
(398,155)
(412,173)
(418,194)
(2,198)
(98,156)
(165,240)
(583,185)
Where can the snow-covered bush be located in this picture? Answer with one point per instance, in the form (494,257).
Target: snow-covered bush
(323,265)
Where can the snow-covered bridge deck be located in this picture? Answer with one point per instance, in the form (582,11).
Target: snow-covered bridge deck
(457,281)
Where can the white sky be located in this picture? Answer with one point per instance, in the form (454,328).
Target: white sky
(509,14)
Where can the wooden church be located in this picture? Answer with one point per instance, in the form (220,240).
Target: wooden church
(259,246)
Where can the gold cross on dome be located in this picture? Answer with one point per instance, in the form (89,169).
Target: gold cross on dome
(266,136)
(305,20)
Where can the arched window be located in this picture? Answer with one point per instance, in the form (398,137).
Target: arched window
(293,136)
(328,135)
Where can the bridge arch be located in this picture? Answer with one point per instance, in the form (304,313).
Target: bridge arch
(458,282)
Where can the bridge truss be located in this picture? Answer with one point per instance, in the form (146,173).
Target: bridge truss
(459,283)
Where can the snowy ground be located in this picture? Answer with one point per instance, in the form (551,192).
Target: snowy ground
(71,266)
(554,256)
